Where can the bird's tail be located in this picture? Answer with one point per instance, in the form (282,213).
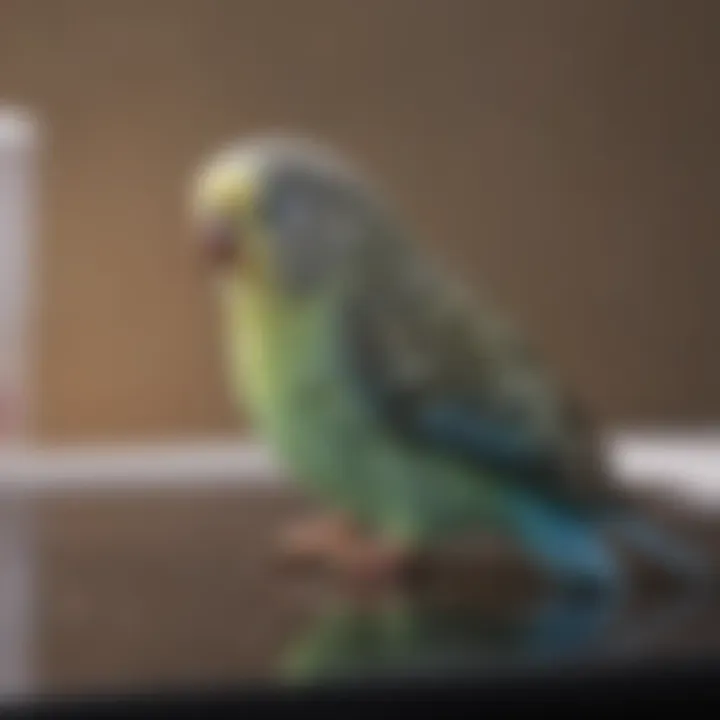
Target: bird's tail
(663,548)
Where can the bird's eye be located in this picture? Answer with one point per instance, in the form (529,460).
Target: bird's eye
(290,208)
(292,213)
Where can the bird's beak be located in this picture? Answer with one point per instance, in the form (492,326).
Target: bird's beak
(218,241)
(221,205)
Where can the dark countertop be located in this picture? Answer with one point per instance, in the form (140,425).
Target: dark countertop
(143,589)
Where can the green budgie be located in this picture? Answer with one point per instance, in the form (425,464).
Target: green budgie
(410,407)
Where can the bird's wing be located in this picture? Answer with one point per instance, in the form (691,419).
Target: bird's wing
(447,374)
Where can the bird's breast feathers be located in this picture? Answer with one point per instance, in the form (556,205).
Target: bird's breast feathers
(249,319)
(276,349)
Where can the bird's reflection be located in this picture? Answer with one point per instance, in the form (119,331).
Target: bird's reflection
(404,634)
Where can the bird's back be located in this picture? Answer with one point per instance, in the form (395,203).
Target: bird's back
(453,375)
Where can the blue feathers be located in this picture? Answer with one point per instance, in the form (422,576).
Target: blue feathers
(480,437)
(463,427)
(570,549)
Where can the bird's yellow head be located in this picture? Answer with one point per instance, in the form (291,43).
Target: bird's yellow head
(283,209)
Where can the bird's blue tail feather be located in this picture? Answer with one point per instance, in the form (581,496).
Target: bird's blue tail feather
(571,550)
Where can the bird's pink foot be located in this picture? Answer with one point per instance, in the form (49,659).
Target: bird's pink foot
(316,538)
(337,543)
(369,561)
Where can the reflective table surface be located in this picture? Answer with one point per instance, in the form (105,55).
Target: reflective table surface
(136,590)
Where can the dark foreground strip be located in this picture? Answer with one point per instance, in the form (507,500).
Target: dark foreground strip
(667,686)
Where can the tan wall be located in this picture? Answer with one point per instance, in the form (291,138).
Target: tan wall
(566,150)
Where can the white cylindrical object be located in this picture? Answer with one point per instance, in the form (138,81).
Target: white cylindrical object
(18,268)
(18,283)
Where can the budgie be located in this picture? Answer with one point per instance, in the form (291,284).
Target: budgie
(398,396)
